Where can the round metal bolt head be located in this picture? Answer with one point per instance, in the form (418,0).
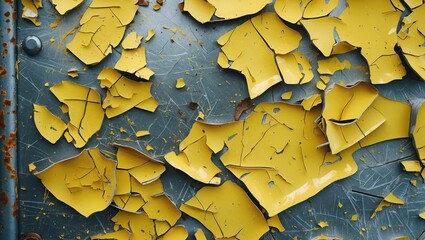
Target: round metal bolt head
(32,45)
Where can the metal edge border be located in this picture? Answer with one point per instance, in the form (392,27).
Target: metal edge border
(8,121)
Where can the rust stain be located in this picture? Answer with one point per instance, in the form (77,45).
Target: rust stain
(7,14)
(13,40)
(10,144)
(3,71)
(15,208)
(3,92)
(2,123)
(4,199)
(7,102)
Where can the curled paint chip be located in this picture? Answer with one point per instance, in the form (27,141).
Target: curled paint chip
(227,212)
(63,6)
(124,94)
(386,202)
(337,35)
(180,83)
(102,28)
(85,182)
(84,109)
(204,10)
(151,33)
(48,125)
(251,47)
(30,10)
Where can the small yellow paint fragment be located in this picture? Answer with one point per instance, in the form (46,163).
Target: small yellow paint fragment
(149,148)
(30,10)
(140,225)
(131,60)
(201,115)
(200,235)
(73,72)
(63,6)
(48,125)
(320,85)
(412,166)
(386,202)
(151,33)
(176,233)
(156,7)
(413,182)
(340,205)
(131,41)
(119,235)
(354,217)
(32,168)
(286,95)
(383,228)
(161,227)
(87,181)
(422,215)
(102,28)
(319,8)
(180,83)
(401,238)
(323,224)
(142,133)
(227,212)
(275,223)
(55,23)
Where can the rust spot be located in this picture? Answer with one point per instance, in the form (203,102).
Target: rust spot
(10,144)
(184,118)
(3,92)
(3,71)
(13,40)
(193,105)
(15,208)
(7,14)
(4,199)
(8,20)
(10,2)
(244,105)
(3,137)
(15,15)
(2,123)
(7,102)
(8,30)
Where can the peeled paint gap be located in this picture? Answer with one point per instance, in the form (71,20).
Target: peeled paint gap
(30,10)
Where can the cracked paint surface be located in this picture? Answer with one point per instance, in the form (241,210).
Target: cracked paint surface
(63,6)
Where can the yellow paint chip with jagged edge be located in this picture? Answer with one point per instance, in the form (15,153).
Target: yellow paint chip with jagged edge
(63,6)
(30,10)
(311,101)
(161,208)
(412,166)
(84,109)
(275,223)
(295,68)
(85,182)
(124,94)
(140,225)
(48,125)
(386,202)
(142,133)
(319,8)
(201,115)
(422,215)
(200,235)
(226,211)
(201,10)
(178,232)
(151,33)
(73,72)
(161,227)
(286,95)
(131,41)
(291,11)
(132,60)
(354,217)
(102,28)
(32,168)
(118,235)
(323,224)
(180,83)
(331,65)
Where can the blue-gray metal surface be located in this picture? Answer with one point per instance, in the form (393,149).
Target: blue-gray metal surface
(8,122)
(191,53)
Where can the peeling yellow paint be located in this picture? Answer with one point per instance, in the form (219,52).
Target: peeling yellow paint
(386,202)
(422,215)
(85,112)
(32,168)
(63,6)
(323,224)
(180,83)
(311,101)
(30,10)
(331,65)
(142,133)
(295,68)
(85,182)
(133,61)
(151,33)
(73,72)
(119,235)
(201,10)
(354,217)
(227,212)
(176,233)
(412,166)
(199,235)
(48,125)
(286,95)
(131,41)
(413,182)
(102,28)
(275,223)
(124,94)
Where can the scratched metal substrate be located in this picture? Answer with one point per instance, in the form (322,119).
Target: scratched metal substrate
(191,53)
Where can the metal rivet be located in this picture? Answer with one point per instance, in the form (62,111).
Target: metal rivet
(31,236)
(32,45)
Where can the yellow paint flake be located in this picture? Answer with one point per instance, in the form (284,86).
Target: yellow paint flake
(331,65)
(73,72)
(422,215)
(323,224)
(413,3)
(149,148)
(142,133)
(119,235)
(286,95)
(340,205)
(140,225)
(176,233)
(275,223)
(48,125)
(352,113)
(354,217)
(413,182)
(30,10)
(32,168)
(325,237)
(102,28)
(412,166)
(55,23)
(203,10)
(199,235)
(401,238)
(85,112)
(156,7)
(319,8)
(227,212)
(180,83)
(134,61)
(131,41)
(63,6)
(311,101)
(295,68)
(85,182)
(201,115)
(418,129)
(124,94)
(337,35)
(291,11)
(151,33)
(386,202)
